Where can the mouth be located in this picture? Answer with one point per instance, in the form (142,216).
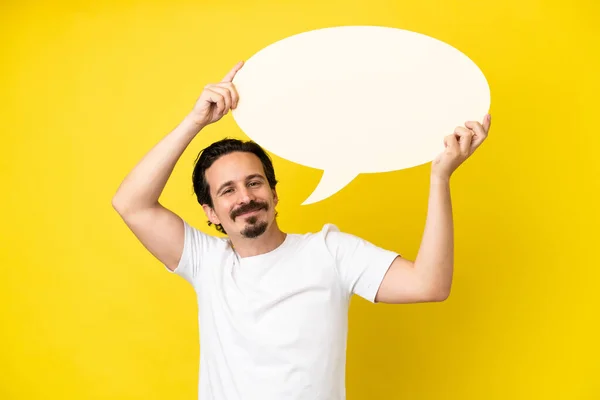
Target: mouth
(249,210)
(248,213)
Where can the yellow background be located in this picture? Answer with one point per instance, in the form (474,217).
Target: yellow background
(87,89)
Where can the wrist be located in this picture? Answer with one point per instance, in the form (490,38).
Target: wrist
(191,125)
(440,179)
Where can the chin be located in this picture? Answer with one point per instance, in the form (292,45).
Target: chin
(254,229)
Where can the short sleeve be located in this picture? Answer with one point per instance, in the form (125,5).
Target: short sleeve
(196,245)
(361,265)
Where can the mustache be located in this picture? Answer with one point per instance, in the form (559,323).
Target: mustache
(251,206)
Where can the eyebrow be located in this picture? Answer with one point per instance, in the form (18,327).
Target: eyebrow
(249,177)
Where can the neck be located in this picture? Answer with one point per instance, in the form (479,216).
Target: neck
(268,241)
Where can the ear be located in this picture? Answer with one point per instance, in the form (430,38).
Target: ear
(210,214)
(275,197)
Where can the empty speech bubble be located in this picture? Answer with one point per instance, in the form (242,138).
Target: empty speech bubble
(357,99)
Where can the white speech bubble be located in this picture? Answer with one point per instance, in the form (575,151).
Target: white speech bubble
(357,99)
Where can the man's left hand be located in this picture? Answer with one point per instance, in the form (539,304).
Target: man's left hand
(459,146)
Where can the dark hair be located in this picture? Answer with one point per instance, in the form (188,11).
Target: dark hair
(218,149)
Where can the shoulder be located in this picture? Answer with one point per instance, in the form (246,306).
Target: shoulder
(341,244)
(192,230)
(330,237)
(331,233)
(199,242)
(327,232)
(200,249)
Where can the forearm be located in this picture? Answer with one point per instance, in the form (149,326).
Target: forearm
(143,186)
(435,259)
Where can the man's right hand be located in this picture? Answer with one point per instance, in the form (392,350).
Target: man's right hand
(216,100)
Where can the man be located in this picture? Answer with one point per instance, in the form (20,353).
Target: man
(272,305)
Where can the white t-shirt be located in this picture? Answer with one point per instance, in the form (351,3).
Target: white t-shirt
(274,326)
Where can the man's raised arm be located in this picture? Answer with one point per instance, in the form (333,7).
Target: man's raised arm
(137,199)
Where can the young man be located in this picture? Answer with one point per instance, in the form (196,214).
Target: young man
(272,305)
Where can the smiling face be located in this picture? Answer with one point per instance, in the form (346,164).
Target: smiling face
(243,202)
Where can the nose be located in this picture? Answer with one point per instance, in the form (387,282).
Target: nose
(245,196)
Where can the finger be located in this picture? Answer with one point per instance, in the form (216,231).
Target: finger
(487,122)
(229,77)
(480,133)
(223,91)
(450,142)
(233,91)
(465,136)
(217,99)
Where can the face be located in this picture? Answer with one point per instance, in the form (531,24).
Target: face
(243,201)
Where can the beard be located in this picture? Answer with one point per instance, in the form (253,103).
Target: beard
(254,227)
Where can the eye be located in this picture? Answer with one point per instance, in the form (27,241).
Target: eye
(254,183)
(227,191)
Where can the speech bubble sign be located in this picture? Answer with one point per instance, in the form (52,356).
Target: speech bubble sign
(357,99)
